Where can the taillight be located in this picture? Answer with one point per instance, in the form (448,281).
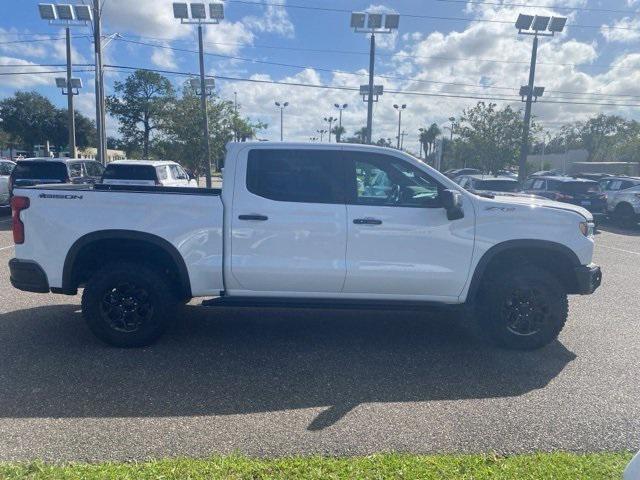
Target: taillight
(17,205)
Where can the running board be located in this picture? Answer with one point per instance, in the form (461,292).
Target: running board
(326,303)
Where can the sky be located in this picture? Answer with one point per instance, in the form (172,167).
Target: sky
(445,56)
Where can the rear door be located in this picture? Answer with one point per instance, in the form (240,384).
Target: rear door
(288,223)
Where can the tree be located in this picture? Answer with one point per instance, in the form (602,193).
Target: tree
(180,135)
(490,137)
(141,104)
(359,136)
(338,131)
(29,118)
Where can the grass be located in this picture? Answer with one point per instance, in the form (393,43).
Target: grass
(557,466)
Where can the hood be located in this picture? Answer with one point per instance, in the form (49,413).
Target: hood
(501,200)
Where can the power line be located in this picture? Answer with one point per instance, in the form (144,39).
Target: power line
(391,55)
(41,72)
(35,40)
(555,7)
(34,65)
(353,89)
(328,70)
(407,15)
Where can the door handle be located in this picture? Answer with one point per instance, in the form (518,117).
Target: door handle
(367,221)
(260,218)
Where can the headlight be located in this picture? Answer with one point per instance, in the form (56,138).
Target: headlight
(587,228)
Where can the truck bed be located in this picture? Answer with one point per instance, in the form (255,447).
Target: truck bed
(61,216)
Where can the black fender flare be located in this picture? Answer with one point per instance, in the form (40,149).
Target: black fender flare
(505,246)
(85,240)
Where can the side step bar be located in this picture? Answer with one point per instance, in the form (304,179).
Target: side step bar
(326,303)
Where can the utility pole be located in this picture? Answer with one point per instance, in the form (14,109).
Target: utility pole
(374,25)
(99,84)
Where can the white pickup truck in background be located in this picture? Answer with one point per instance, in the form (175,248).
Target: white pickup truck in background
(305,224)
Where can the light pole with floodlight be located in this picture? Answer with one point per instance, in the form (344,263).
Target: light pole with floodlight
(67,15)
(321,132)
(373,23)
(340,109)
(199,17)
(282,106)
(399,108)
(537,26)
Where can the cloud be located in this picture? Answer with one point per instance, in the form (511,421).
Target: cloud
(624,30)
(26,76)
(273,20)
(163,57)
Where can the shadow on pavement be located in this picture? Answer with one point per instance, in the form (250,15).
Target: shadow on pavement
(611,227)
(236,361)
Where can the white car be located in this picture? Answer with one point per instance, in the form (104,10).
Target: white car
(306,224)
(147,172)
(6,166)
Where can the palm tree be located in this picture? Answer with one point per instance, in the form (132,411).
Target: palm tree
(338,131)
(361,135)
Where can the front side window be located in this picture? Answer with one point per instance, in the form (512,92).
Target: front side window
(162,172)
(94,169)
(6,168)
(309,176)
(538,185)
(375,179)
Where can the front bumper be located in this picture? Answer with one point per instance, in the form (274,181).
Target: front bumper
(28,276)
(589,278)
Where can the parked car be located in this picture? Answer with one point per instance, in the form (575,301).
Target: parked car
(45,170)
(623,199)
(488,183)
(546,173)
(632,472)
(296,224)
(462,171)
(147,172)
(577,191)
(6,167)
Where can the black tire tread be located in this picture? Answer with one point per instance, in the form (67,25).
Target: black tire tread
(164,303)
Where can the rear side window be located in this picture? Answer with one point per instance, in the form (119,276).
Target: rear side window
(94,169)
(32,170)
(310,176)
(129,172)
(496,185)
(579,187)
(162,173)
(538,185)
(75,170)
(5,168)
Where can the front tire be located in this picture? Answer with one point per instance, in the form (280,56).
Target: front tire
(126,304)
(523,308)
(625,216)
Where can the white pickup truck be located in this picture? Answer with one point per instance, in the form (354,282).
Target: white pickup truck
(311,225)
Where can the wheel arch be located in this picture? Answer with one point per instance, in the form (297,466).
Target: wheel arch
(153,248)
(553,256)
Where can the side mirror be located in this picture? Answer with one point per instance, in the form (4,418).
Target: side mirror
(452,203)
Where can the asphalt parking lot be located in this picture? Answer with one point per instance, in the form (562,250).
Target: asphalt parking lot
(281,382)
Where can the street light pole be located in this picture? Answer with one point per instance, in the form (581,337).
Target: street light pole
(374,24)
(205,113)
(536,26)
(330,121)
(70,111)
(340,109)
(399,108)
(321,132)
(282,106)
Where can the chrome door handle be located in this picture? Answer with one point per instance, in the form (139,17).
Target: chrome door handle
(260,218)
(367,221)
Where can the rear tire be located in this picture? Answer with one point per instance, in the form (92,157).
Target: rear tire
(625,216)
(522,309)
(127,304)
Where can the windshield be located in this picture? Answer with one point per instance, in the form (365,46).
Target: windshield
(129,172)
(31,170)
(579,187)
(496,185)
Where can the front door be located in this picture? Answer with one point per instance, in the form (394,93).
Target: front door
(400,242)
(288,223)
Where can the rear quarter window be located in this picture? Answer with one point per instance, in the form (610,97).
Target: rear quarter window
(129,172)
(32,170)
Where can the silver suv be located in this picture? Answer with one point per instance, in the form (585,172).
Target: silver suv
(623,199)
